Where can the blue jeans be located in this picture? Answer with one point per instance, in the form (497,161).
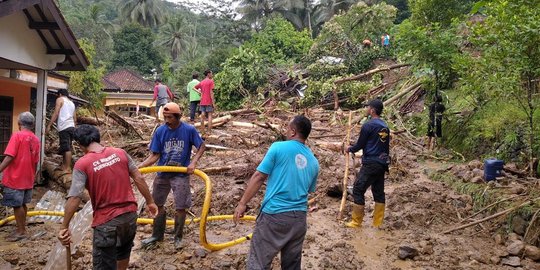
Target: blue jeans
(16,197)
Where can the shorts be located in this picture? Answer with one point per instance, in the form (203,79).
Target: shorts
(206,108)
(113,240)
(16,197)
(159,106)
(180,187)
(66,137)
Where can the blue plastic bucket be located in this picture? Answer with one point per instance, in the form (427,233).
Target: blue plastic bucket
(492,168)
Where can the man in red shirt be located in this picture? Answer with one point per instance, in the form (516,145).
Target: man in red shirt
(105,172)
(207,98)
(19,166)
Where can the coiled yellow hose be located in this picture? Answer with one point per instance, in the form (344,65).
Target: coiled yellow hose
(202,219)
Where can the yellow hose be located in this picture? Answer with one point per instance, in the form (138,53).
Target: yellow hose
(202,220)
(205,209)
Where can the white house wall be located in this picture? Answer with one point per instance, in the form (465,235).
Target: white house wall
(20,44)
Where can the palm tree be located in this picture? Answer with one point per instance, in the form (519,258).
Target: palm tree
(254,11)
(177,35)
(145,12)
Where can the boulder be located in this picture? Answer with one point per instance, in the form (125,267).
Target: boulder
(511,261)
(406,252)
(532,252)
(475,164)
(515,247)
(519,225)
(478,173)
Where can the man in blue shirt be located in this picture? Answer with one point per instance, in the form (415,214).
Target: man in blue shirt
(291,170)
(171,146)
(374,140)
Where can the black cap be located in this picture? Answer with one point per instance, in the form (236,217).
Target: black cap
(376,104)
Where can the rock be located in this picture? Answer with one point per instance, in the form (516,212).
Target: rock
(13,259)
(406,252)
(519,225)
(513,237)
(475,164)
(532,252)
(169,267)
(340,244)
(495,259)
(499,239)
(515,247)
(511,261)
(426,248)
(477,180)
(200,253)
(480,258)
(478,173)
(468,176)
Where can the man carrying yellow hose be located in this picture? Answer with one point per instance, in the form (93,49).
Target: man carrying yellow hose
(374,140)
(291,170)
(105,172)
(171,146)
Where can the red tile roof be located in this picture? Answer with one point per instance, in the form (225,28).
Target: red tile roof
(126,80)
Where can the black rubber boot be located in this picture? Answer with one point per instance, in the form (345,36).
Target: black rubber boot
(179,221)
(158,230)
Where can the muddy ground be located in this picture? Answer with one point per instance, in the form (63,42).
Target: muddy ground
(418,209)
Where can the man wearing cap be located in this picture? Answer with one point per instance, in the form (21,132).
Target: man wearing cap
(374,140)
(171,146)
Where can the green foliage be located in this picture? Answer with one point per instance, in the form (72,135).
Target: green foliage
(279,42)
(87,84)
(499,83)
(241,75)
(431,49)
(133,48)
(403,11)
(342,36)
(442,12)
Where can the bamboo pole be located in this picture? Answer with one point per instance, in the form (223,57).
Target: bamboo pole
(346,174)
(492,216)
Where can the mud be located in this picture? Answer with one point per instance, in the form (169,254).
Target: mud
(418,210)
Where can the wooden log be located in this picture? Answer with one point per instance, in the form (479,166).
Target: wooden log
(333,146)
(121,121)
(56,174)
(254,125)
(346,174)
(215,170)
(369,73)
(217,121)
(81,120)
(402,93)
(492,216)
(241,111)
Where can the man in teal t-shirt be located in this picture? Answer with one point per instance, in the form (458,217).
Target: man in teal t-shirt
(194,96)
(291,170)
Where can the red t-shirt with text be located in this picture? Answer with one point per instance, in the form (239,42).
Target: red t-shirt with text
(108,183)
(206,86)
(24,148)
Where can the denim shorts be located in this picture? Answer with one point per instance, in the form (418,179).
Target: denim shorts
(16,197)
(206,108)
(180,187)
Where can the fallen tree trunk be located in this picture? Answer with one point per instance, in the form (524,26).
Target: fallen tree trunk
(86,120)
(214,170)
(252,125)
(369,73)
(493,216)
(241,111)
(346,174)
(121,121)
(216,122)
(333,146)
(402,93)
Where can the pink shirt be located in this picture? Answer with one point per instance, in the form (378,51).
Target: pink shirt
(24,148)
(206,86)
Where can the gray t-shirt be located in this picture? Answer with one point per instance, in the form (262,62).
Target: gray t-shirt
(78,180)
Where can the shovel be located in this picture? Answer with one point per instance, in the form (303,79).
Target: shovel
(68,257)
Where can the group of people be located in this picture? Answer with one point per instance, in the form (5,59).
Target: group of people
(289,169)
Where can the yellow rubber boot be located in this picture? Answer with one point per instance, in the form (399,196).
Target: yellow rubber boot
(378,214)
(357,216)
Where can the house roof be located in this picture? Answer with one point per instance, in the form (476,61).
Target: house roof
(44,17)
(126,80)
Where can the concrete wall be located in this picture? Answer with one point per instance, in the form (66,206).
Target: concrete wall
(21,98)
